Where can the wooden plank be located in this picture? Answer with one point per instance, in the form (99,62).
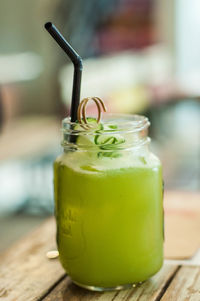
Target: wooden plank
(26,274)
(185,285)
(148,291)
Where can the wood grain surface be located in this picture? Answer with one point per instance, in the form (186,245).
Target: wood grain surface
(25,272)
(27,275)
(150,290)
(185,286)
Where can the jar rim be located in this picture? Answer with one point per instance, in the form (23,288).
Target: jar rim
(126,123)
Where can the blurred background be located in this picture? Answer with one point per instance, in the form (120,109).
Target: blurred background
(140,56)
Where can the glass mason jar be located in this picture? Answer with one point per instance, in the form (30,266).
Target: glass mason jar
(109,203)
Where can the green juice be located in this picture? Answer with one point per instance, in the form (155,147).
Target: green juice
(109,214)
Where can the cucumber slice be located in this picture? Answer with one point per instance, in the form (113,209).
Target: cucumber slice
(108,128)
(105,142)
(104,139)
(111,140)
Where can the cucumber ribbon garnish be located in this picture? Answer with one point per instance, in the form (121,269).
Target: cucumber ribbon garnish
(108,144)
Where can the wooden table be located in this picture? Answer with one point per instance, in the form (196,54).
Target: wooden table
(26,275)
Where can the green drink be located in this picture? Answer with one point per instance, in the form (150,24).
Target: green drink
(109,209)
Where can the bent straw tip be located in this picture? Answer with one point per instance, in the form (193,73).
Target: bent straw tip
(48,25)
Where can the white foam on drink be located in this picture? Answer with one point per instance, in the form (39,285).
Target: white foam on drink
(84,162)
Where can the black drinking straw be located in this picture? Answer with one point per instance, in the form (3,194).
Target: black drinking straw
(78,66)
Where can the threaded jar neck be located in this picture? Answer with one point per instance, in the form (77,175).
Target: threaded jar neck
(114,131)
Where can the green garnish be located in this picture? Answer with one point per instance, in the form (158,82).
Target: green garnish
(107,143)
(101,139)
(112,126)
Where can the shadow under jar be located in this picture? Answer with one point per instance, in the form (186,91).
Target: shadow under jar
(109,203)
